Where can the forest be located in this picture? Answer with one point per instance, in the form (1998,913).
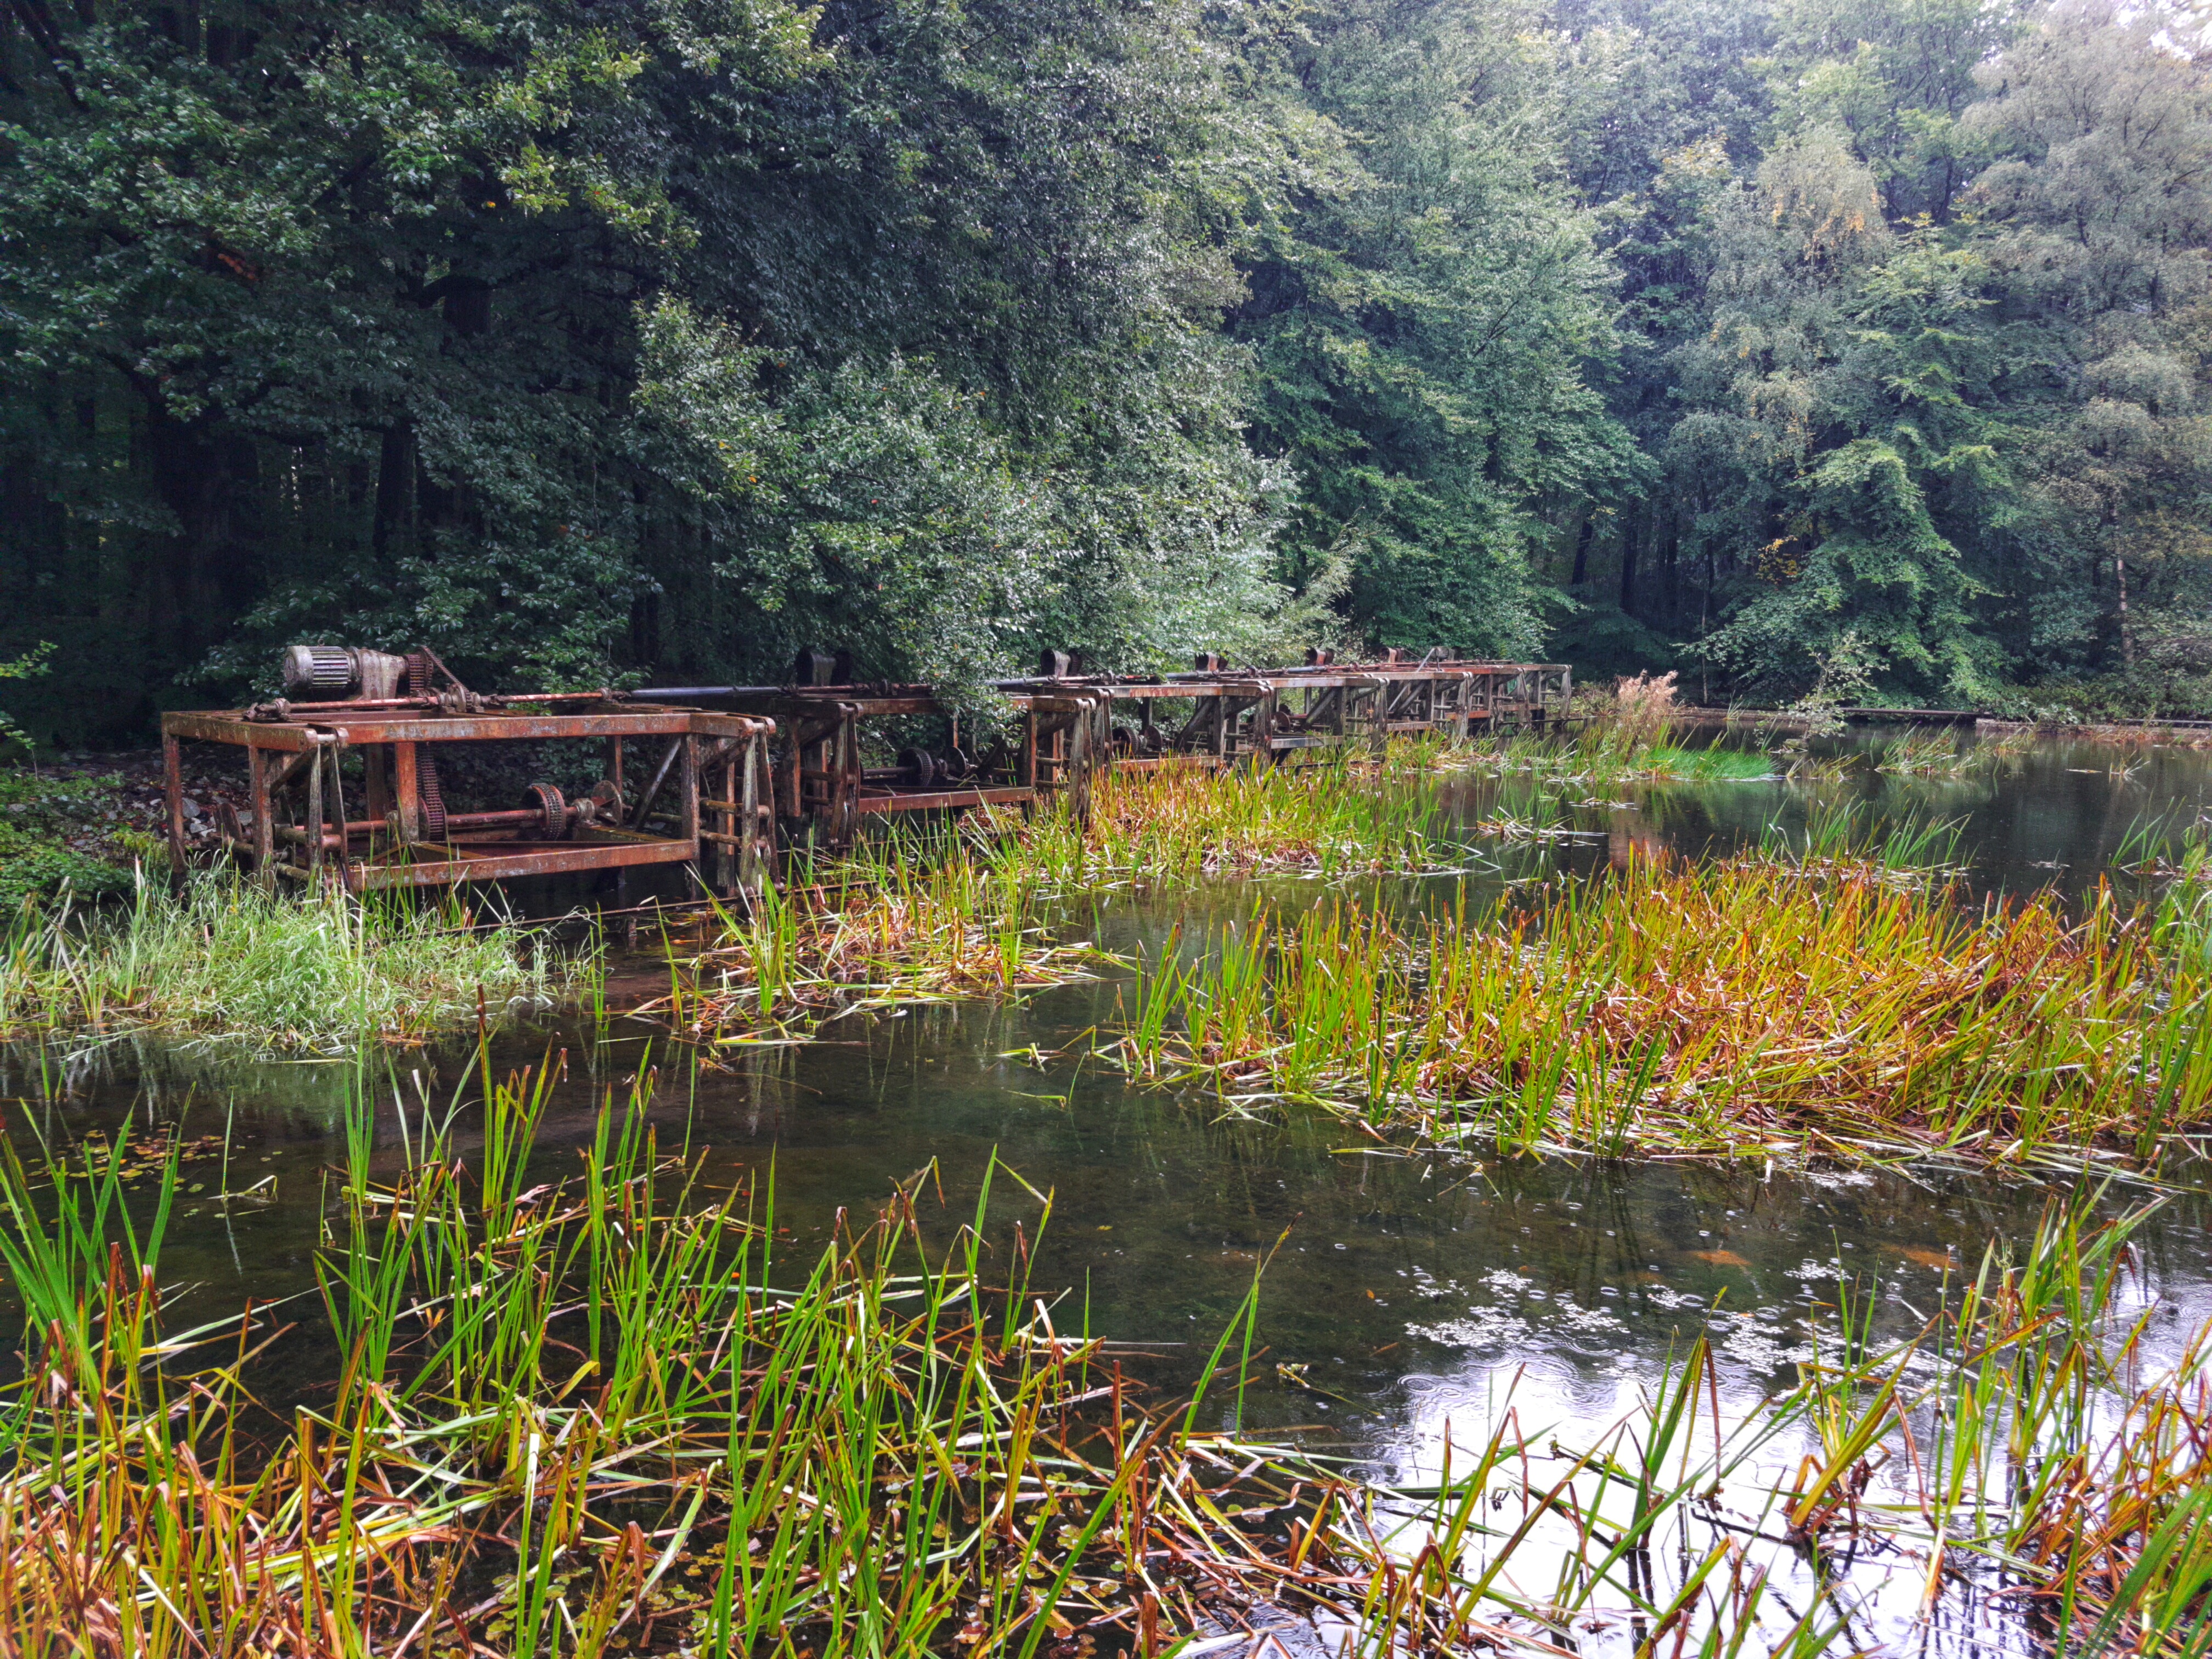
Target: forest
(1842,349)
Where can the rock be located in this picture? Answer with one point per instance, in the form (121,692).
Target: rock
(191,807)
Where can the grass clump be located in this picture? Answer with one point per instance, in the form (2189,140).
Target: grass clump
(916,918)
(1625,736)
(1158,831)
(984,909)
(1766,1005)
(224,958)
(606,1412)
(610,1412)
(1928,754)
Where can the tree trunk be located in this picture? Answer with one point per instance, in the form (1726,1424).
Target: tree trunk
(395,488)
(207,478)
(1582,550)
(2120,610)
(1628,574)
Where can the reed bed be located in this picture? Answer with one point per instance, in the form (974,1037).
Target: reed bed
(610,1412)
(1621,736)
(1166,830)
(915,919)
(1595,757)
(1928,754)
(224,960)
(1831,1002)
(989,908)
(606,1413)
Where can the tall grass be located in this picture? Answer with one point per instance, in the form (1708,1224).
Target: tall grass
(984,908)
(1162,830)
(1830,1000)
(1600,756)
(574,1416)
(1919,752)
(611,1412)
(225,959)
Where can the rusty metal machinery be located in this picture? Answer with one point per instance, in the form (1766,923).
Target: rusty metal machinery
(720,789)
(702,804)
(1068,726)
(822,786)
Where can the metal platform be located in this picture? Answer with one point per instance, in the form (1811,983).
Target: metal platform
(723,788)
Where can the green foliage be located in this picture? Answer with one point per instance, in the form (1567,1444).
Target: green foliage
(29,665)
(37,812)
(590,345)
(1424,329)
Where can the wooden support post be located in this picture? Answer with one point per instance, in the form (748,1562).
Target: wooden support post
(1076,773)
(172,795)
(687,794)
(264,825)
(407,794)
(314,819)
(845,800)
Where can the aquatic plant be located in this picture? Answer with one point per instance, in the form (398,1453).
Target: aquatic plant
(1596,757)
(985,908)
(224,959)
(619,1410)
(1919,753)
(576,1415)
(1175,827)
(1833,997)
(921,917)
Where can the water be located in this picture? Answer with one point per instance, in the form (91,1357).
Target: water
(1402,1297)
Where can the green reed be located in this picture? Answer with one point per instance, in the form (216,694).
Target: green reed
(1826,995)
(604,1410)
(224,959)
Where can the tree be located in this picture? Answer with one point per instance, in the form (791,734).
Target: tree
(1424,332)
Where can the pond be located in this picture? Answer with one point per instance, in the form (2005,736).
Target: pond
(1404,1299)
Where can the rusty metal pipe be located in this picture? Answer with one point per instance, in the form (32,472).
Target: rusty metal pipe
(500,820)
(491,700)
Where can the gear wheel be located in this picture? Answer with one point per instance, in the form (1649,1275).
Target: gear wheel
(552,810)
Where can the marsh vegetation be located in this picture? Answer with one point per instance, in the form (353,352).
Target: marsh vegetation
(585,1391)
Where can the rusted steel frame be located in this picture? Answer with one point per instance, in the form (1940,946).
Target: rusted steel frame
(651,792)
(1258,736)
(1361,711)
(361,877)
(407,791)
(1065,745)
(508,728)
(931,800)
(293,736)
(230,729)
(455,822)
(728,754)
